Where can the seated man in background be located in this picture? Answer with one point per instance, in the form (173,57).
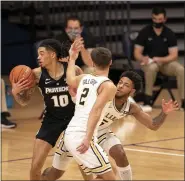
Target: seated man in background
(73,29)
(156,50)
(5,123)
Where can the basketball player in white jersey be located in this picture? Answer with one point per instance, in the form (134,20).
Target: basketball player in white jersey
(94,93)
(129,83)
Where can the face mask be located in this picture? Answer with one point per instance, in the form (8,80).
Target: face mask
(73,34)
(158,25)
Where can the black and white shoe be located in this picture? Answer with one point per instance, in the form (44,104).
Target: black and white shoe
(5,123)
(5,114)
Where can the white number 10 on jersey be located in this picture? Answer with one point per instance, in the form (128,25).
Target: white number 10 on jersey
(60,101)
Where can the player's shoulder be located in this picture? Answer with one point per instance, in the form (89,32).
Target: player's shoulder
(37,72)
(134,108)
(109,85)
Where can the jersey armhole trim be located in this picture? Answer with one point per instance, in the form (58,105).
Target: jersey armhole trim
(101,84)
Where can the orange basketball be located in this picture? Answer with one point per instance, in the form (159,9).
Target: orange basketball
(22,71)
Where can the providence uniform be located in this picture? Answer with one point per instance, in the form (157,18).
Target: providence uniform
(59,108)
(94,160)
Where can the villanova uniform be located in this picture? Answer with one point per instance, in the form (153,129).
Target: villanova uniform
(106,138)
(59,108)
(94,160)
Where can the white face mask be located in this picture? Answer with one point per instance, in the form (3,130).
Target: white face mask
(73,33)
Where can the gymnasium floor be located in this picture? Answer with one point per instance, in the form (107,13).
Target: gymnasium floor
(153,155)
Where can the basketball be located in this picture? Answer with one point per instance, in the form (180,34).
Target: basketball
(22,71)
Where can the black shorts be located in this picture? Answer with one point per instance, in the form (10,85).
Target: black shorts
(50,131)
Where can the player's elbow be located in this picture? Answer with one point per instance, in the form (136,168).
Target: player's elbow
(153,128)
(71,82)
(23,104)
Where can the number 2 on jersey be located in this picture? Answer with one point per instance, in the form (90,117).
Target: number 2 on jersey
(83,96)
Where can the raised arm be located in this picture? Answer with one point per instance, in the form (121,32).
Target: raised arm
(154,123)
(73,79)
(20,90)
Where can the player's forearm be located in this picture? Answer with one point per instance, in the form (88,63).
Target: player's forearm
(86,57)
(94,117)
(24,98)
(71,71)
(158,121)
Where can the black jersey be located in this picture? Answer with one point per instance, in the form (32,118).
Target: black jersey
(58,103)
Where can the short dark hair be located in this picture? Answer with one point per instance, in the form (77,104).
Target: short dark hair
(74,18)
(135,78)
(101,57)
(54,45)
(159,10)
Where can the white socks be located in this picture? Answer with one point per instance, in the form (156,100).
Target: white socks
(124,173)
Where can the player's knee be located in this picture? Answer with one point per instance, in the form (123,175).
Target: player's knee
(57,173)
(52,173)
(118,154)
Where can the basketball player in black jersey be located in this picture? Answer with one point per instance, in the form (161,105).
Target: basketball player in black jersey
(59,107)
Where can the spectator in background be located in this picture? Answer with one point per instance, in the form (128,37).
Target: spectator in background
(156,50)
(5,123)
(74,28)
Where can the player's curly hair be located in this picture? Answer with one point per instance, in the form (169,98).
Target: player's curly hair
(61,49)
(135,78)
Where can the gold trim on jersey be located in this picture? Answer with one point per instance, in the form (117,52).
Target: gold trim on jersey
(60,150)
(104,166)
(61,144)
(101,138)
(85,169)
(125,108)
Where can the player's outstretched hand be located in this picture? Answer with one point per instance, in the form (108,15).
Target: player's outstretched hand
(169,106)
(84,146)
(20,86)
(76,48)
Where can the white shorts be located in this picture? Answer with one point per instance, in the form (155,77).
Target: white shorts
(94,160)
(62,157)
(107,139)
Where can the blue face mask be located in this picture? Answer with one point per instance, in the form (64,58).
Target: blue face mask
(73,33)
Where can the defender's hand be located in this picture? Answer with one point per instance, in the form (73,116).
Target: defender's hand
(169,106)
(76,48)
